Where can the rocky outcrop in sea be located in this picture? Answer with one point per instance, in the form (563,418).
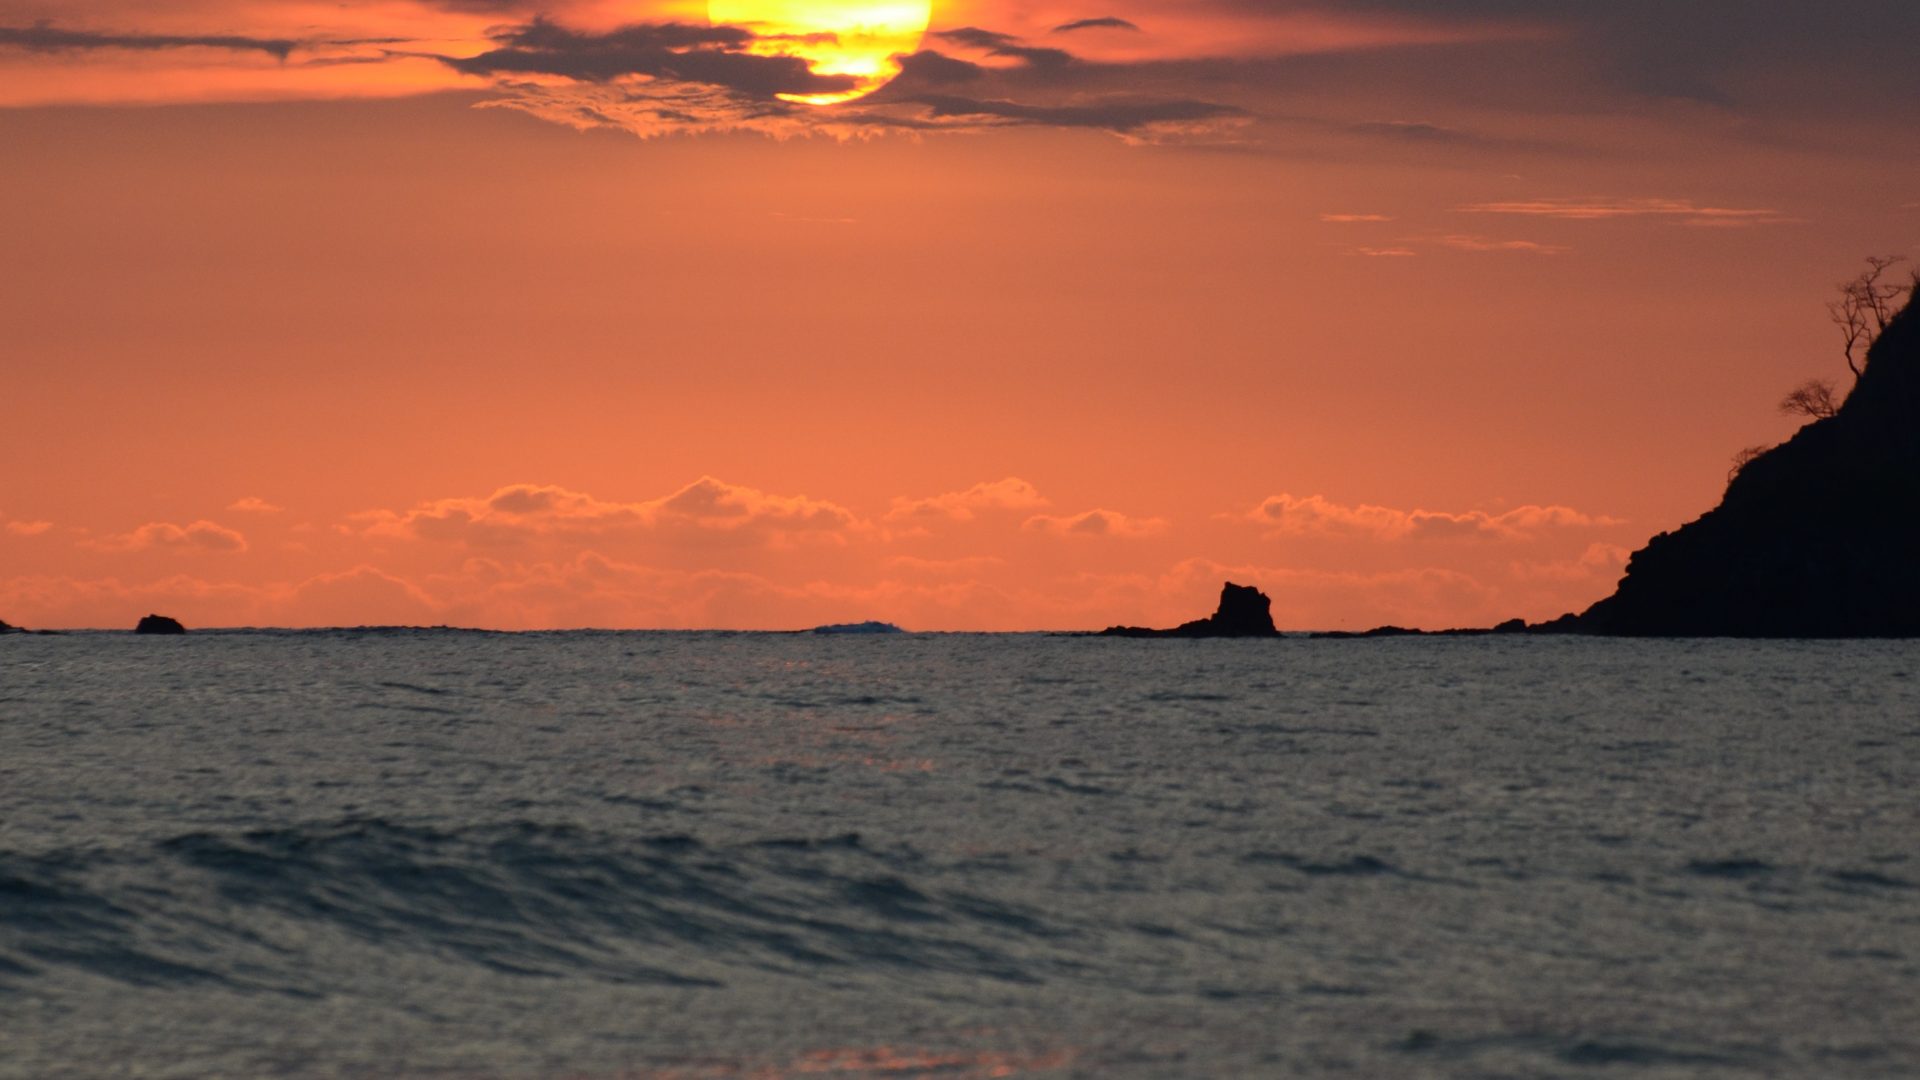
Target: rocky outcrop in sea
(1244,611)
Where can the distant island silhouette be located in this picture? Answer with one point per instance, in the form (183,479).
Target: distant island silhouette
(159,624)
(868,627)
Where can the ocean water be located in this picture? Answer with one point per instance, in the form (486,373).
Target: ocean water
(600,855)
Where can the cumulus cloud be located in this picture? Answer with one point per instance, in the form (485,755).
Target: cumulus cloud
(519,512)
(1011,493)
(964,566)
(1314,515)
(1599,560)
(200,536)
(1095,523)
(361,596)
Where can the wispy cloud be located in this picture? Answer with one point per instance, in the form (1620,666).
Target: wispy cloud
(1412,131)
(1353,219)
(44,37)
(1409,246)
(1604,209)
(1105,22)
(1471,242)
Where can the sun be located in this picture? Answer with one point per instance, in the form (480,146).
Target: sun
(857,38)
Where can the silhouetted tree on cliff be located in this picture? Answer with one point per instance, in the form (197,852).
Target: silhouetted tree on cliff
(1743,458)
(1812,398)
(1866,305)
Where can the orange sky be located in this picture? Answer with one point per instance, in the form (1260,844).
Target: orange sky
(1402,317)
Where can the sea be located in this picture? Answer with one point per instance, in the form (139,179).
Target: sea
(588,856)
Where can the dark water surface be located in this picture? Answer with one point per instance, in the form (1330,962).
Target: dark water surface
(432,854)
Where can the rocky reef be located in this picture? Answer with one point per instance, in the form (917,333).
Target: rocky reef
(1511,626)
(159,624)
(1817,537)
(1244,611)
(868,627)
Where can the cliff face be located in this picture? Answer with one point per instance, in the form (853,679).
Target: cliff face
(1818,537)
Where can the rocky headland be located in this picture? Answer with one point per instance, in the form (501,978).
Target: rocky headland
(1817,537)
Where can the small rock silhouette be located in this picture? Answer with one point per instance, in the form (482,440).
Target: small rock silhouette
(159,624)
(1244,611)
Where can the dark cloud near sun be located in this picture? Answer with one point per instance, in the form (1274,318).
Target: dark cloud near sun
(1006,45)
(680,52)
(1104,22)
(486,7)
(1434,78)
(927,68)
(44,37)
(1120,117)
(655,78)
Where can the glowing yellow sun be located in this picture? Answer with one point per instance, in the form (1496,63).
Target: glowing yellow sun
(856,38)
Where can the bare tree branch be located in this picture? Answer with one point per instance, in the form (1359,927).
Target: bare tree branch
(1744,458)
(1866,306)
(1812,398)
